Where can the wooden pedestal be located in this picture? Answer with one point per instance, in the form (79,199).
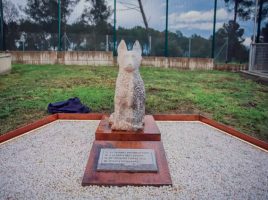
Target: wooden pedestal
(94,177)
(150,132)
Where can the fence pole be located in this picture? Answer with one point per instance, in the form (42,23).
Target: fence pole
(59,25)
(190,47)
(227,49)
(107,42)
(259,21)
(114,50)
(150,45)
(166,34)
(214,29)
(255,21)
(1,27)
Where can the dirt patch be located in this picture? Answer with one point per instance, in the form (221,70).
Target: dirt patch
(74,82)
(154,90)
(265,90)
(222,79)
(249,105)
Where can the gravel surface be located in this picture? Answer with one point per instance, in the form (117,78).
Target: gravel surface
(204,163)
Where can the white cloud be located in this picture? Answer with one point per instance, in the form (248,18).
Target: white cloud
(202,20)
(131,18)
(247,41)
(163,4)
(199,16)
(77,11)
(200,26)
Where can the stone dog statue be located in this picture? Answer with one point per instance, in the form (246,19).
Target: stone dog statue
(129,93)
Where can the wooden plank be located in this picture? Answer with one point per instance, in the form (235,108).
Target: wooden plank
(96,116)
(94,177)
(176,117)
(235,133)
(79,116)
(151,132)
(28,128)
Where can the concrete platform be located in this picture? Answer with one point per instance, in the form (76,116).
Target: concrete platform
(258,76)
(5,63)
(205,163)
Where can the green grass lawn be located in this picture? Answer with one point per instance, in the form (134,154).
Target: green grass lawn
(223,96)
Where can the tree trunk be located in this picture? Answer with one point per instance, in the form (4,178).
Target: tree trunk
(235,10)
(143,15)
(144,20)
(259,21)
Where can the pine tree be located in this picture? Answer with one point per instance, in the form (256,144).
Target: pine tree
(97,13)
(242,8)
(45,13)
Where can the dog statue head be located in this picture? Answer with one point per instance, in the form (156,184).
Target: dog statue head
(129,61)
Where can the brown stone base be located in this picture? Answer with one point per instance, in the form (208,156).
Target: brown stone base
(150,132)
(94,177)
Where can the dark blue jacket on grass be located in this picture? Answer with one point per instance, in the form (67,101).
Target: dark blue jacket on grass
(72,105)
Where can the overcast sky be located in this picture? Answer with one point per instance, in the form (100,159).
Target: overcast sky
(188,16)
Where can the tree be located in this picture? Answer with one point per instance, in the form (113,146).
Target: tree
(200,47)
(11,13)
(262,14)
(143,15)
(95,18)
(232,33)
(11,26)
(130,5)
(44,14)
(242,8)
(98,13)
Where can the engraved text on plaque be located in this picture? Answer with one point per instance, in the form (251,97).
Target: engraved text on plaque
(132,160)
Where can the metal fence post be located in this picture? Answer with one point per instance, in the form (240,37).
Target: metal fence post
(250,58)
(114,50)
(59,25)
(150,45)
(1,27)
(255,21)
(190,45)
(214,29)
(166,34)
(227,49)
(107,42)
(259,21)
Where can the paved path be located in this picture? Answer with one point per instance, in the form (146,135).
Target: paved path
(205,163)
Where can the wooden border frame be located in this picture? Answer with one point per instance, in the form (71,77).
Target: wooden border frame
(98,116)
(27,128)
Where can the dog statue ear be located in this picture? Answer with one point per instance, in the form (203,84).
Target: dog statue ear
(122,47)
(137,47)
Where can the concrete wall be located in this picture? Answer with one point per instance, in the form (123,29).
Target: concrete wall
(98,58)
(67,58)
(178,63)
(231,67)
(5,63)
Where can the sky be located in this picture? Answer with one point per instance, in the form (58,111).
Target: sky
(188,16)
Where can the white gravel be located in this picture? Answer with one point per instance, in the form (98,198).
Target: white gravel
(204,163)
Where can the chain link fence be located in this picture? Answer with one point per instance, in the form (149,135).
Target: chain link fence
(190,27)
(259,57)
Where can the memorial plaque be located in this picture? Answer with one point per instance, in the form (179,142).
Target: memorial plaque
(129,160)
(161,177)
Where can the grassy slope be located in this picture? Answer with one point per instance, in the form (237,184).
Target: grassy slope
(224,96)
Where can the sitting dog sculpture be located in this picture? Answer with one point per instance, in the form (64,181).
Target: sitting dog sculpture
(129,93)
